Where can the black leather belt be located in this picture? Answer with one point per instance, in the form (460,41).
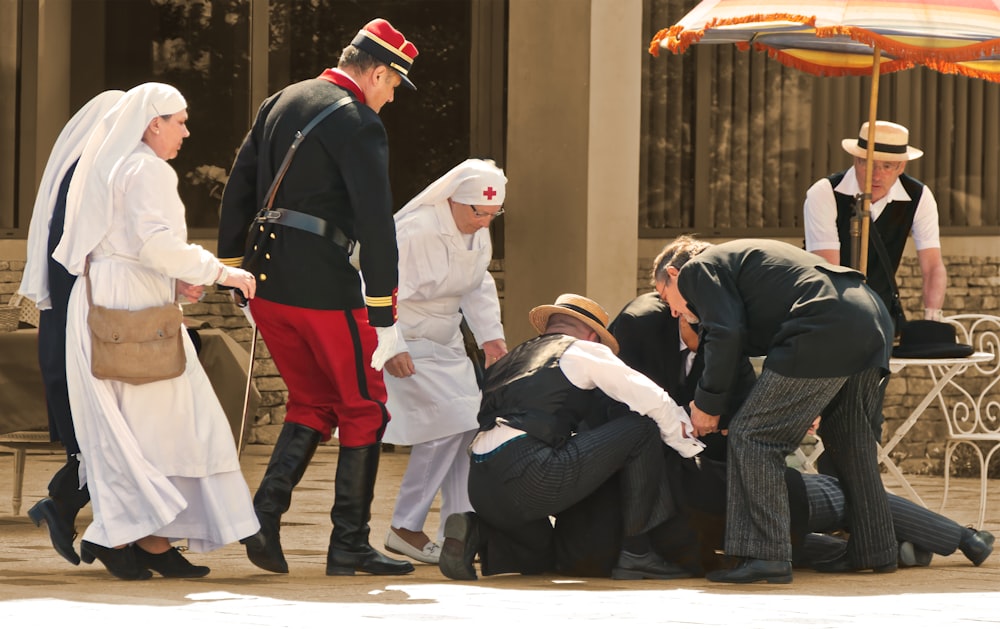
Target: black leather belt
(309,223)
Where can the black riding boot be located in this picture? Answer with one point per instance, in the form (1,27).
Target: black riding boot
(352,509)
(289,459)
(60,509)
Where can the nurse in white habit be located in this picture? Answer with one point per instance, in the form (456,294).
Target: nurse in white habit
(433,396)
(159,458)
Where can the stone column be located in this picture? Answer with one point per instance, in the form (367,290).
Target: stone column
(573,99)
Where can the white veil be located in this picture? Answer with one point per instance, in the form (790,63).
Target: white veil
(88,205)
(67,149)
(474,181)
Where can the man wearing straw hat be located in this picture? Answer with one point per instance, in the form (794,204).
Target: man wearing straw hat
(551,431)
(900,205)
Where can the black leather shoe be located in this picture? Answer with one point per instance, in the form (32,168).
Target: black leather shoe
(843,564)
(60,531)
(460,547)
(171,564)
(346,563)
(976,545)
(121,562)
(753,571)
(647,566)
(264,548)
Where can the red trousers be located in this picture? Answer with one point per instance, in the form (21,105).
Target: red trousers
(324,357)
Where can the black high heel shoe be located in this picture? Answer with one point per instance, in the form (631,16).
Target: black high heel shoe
(170,564)
(60,527)
(121,562)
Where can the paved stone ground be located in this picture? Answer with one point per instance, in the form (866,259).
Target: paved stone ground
(38,588)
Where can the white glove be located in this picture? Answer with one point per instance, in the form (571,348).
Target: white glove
(672,433)
(390,343)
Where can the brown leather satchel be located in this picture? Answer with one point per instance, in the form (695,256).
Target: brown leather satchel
(135,346)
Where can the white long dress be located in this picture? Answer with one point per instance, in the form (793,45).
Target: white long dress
(159,458)
(441,276)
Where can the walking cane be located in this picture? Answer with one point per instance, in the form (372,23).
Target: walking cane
(242,437)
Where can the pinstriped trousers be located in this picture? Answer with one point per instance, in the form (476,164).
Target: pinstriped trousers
(770,424)
(911,522)
(519,485)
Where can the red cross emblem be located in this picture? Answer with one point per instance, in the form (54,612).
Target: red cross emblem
(489,193)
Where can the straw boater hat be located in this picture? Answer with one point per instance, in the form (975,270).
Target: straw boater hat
(379,39)
(580,308)
(891,143)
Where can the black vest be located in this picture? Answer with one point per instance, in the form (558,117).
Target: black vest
(893,225)
(528,389)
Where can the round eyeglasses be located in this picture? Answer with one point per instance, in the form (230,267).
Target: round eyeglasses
(491,215)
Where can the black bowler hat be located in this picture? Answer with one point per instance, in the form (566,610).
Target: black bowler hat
(929,339)
(379,39)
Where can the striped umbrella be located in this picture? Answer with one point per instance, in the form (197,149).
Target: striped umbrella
(851,38)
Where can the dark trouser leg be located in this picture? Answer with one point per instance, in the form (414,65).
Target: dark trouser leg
(60,509)
(349,550)
(515,491)
(853,451)
(770,424)
(823,464)
(923,527)
(291,456)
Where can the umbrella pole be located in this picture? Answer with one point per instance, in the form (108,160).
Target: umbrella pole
(241,438)
(865,219)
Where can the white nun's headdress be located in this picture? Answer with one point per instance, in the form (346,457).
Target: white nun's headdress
(67,149)
(88,205)
(473,182)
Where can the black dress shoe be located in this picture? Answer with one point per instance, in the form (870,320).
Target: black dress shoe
(349,562)
(171,564)
(264,549)
(647,566)
(121,562)
(976,545)
(843,564)
(460,547)
(753,571)
(61,532)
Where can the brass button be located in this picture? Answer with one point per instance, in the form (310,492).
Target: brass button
(272,235)
(263,276)
(267,256)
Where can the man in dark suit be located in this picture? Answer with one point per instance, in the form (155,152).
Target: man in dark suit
(310,309)
(665,348)
(827,338)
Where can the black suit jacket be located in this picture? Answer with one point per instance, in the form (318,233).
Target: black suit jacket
(649,342)
(764,297)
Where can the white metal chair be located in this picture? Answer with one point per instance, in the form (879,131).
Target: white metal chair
(972,407)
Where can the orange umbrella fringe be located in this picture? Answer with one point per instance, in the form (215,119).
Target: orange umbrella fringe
(918,54)
(678,39)
(818,69)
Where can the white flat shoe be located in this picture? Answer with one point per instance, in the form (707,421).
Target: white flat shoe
(430,553)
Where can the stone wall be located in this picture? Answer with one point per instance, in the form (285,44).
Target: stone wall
(973,287)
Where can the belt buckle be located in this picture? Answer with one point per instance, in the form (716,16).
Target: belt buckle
(272,215)
(350,247)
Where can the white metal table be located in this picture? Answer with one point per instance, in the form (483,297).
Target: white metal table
(943,372)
